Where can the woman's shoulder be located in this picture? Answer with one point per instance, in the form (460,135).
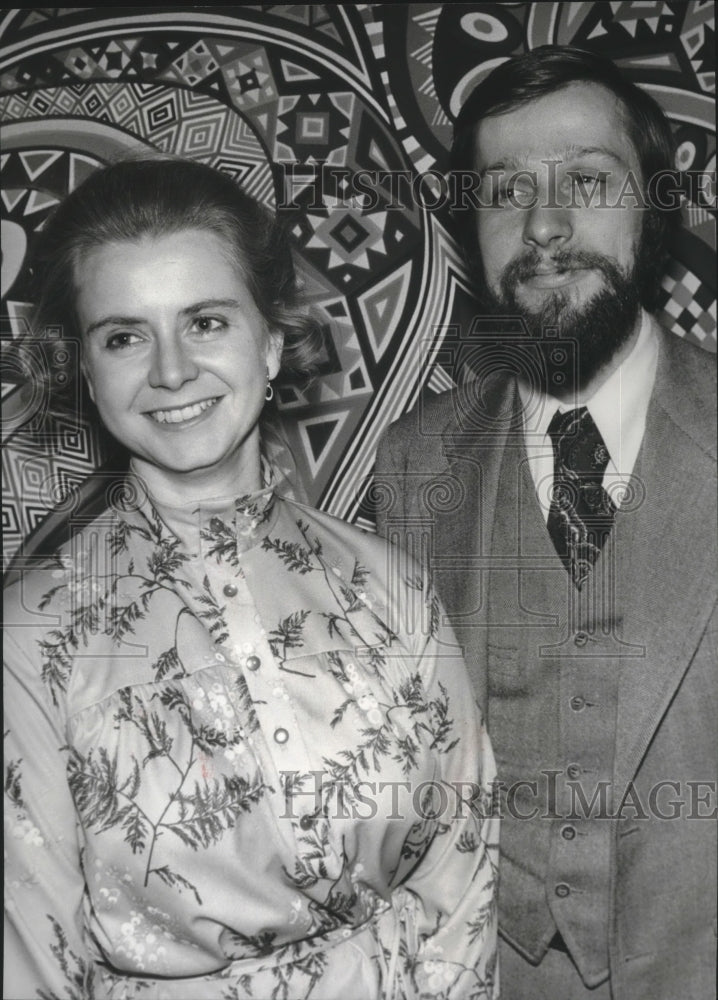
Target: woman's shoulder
(38,581)
(345,537)
(364,561)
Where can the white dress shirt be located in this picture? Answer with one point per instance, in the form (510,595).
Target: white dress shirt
(618,407)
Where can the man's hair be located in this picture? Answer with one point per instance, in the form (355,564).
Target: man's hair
(545,70)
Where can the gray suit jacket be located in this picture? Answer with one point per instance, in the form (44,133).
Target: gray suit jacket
(437,469)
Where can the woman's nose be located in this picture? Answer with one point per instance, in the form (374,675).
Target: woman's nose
(172,364)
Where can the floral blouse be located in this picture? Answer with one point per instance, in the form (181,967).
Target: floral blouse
(242,760)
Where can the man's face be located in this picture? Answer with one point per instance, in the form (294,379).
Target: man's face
(558,242)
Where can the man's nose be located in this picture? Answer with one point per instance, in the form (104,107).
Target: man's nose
(547,225)
(172,363)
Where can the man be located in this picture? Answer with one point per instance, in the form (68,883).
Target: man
(574,542)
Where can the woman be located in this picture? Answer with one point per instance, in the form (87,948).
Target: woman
(242,755)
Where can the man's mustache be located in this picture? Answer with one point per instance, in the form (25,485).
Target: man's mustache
(530,263)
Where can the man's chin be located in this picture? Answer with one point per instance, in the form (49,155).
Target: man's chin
(574,343)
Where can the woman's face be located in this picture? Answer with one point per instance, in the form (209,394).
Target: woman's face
(176,355)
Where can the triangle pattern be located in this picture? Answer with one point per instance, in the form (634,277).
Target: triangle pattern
(376,155)
(40,200)
(598,31)
(35,17)
(80,169)
(382,307)
(320,20)
(294,73)
(37,161)
(318,434)
(7,389)
(11,197)
(293,12)
(224,51)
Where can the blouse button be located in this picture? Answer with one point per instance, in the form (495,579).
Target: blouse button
(281,735)
(230,590)
(216,524)
(254,663)
(307,821)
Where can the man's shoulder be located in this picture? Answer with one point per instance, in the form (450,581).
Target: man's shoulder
(471,407)
(433,411)
(686,385)
(688,352)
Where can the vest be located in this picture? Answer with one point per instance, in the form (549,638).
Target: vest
(553,677)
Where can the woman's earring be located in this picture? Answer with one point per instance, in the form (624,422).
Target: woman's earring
(269,391)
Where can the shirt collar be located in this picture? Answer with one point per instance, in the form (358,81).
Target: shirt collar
(218,527)
(618,407)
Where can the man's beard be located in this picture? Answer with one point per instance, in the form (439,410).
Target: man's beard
(592,332)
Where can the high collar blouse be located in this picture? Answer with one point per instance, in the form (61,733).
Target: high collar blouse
(242,759)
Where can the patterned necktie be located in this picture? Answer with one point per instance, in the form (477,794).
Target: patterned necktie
(582,512)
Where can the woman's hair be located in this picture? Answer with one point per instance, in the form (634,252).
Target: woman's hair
(545,70)
(138,198)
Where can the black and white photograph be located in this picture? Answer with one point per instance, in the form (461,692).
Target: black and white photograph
(360,540)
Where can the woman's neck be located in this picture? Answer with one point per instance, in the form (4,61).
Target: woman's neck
(177,488)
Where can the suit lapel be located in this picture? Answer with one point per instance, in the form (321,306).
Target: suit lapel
(669,587)
(473,448)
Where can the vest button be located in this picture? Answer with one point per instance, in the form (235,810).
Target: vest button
(253,663)
(562,890)
(577,703)
(229,590)
(568,832)
(580,639)
(281,736)
(573,771)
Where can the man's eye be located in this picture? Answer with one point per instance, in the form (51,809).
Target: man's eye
(208,324)
(586,180)
(117,341)
(515,195)
(504,194)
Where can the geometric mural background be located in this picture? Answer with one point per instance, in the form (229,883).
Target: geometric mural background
(338,117)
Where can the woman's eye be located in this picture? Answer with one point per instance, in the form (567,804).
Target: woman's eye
(125,338)
(208,324)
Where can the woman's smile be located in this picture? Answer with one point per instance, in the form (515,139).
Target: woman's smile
(180,417)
